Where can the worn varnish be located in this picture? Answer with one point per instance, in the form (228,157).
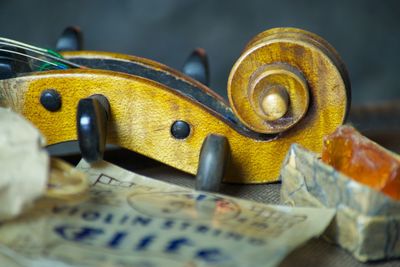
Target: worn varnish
(301,62)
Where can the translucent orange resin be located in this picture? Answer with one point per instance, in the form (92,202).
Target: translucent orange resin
(363,160)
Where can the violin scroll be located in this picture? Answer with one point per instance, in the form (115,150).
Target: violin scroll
(284,75)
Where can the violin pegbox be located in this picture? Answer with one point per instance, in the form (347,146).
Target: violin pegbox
(288,86)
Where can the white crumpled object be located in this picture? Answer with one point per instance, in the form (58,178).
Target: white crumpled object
(24,164)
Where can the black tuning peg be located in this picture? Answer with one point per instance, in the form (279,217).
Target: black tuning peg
(6,70)
(12,62)
(196,66)
(214,155)
(70,40)
(92,118)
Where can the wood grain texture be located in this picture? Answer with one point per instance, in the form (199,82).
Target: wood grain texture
(141,116)
(291,53)
(142,110)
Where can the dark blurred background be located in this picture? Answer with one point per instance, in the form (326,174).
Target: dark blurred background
(365,33)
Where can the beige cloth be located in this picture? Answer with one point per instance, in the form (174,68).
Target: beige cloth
(24,165)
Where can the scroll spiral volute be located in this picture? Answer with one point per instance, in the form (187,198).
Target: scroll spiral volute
(285,75)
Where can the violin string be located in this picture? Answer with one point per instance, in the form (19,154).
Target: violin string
(46,54)
(25,45)
(64,61)
(38,50)
(16,46)
(34,64)
(29,56)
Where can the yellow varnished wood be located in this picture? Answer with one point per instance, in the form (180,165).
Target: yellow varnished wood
(142,112)
(306,57)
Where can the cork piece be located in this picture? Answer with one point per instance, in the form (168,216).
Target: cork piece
(363,160)
(24,164)
(367,222)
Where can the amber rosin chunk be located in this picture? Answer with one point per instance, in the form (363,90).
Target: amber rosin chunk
(363,160)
